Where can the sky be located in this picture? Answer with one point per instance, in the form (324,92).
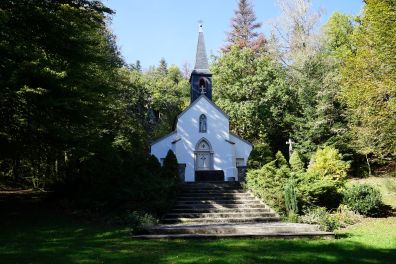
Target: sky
(148,30)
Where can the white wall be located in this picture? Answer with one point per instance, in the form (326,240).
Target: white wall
(187,129)
(161,147)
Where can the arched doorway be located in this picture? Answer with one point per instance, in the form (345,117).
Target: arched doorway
(203,155)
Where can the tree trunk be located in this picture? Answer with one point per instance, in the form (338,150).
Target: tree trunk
(368,165)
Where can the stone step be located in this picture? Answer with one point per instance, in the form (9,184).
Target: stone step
(210,187)
(215,191)
(214,194)
(220,210)
(216,198)
(219,206)
(314,235)
(221,220)
(234,228)
(225,203)
(219,215)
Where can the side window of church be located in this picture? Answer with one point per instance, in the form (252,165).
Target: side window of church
(202,124)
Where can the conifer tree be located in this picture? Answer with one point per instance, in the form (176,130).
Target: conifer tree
(244,26)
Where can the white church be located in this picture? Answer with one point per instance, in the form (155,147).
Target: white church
(205,148)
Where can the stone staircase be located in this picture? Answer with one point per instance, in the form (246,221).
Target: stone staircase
(224,209)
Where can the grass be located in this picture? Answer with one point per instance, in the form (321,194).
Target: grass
(33,232)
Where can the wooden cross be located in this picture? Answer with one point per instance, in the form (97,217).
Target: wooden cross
(290,143)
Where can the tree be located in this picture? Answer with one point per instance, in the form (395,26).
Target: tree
(312,59)
(163,67)
(369,82)
(251,90)
(168,95)
(296,31)
(244,26)
(59,66)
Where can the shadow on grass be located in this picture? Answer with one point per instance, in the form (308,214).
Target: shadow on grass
(34,233)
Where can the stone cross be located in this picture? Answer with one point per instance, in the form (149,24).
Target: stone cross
(290,143)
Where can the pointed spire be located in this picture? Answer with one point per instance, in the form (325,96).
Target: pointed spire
(201,59)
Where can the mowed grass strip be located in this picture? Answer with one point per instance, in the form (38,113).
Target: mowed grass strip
(45,238)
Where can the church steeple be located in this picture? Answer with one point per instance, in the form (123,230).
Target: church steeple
(201,78)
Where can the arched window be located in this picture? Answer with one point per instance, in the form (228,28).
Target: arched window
(202,124)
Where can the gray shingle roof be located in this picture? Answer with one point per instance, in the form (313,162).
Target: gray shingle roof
(201,59)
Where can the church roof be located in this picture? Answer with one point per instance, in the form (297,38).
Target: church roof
(161,138)
(238,137)
(201,59)
(199,99)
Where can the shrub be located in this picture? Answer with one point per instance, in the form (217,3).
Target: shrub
(290,197)
(154,165)
(269,181)
(315,190)
(260,155)
(319,215)
(364,199)
(296,164)
(346,216)
(170,168)
(328,164)
(138,222)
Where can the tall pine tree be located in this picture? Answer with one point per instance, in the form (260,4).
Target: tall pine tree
(244,26)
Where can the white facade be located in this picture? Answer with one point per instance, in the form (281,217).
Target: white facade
(202,141)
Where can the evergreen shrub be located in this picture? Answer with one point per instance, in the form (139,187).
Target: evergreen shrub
(364,199)
(170,169)
(260,155)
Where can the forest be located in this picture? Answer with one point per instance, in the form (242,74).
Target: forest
(77,120)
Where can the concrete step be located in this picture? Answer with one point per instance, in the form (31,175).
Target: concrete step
(234,191)
(270,230)
(228,228)
(221,202)
(314,235)
(216,198)
(221,210)
(221,220)
(219,206)
(219,215)
(216,194)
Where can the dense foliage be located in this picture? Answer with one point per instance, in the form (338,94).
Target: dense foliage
(291,188)
(364,199)
(74,118)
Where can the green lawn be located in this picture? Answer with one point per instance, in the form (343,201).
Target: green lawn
(33,233)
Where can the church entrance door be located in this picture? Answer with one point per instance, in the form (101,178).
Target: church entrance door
(203,155)
(203,161)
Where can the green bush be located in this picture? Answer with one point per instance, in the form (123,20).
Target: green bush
(364,199)
(327,163)
(315,190)
(269,181)
(290,197)
(319,186)
(260,155)
(346,216)
(319,216)
(170,169)
(139,222)
(296,164)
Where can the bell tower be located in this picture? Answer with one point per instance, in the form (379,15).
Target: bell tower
(201,78)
